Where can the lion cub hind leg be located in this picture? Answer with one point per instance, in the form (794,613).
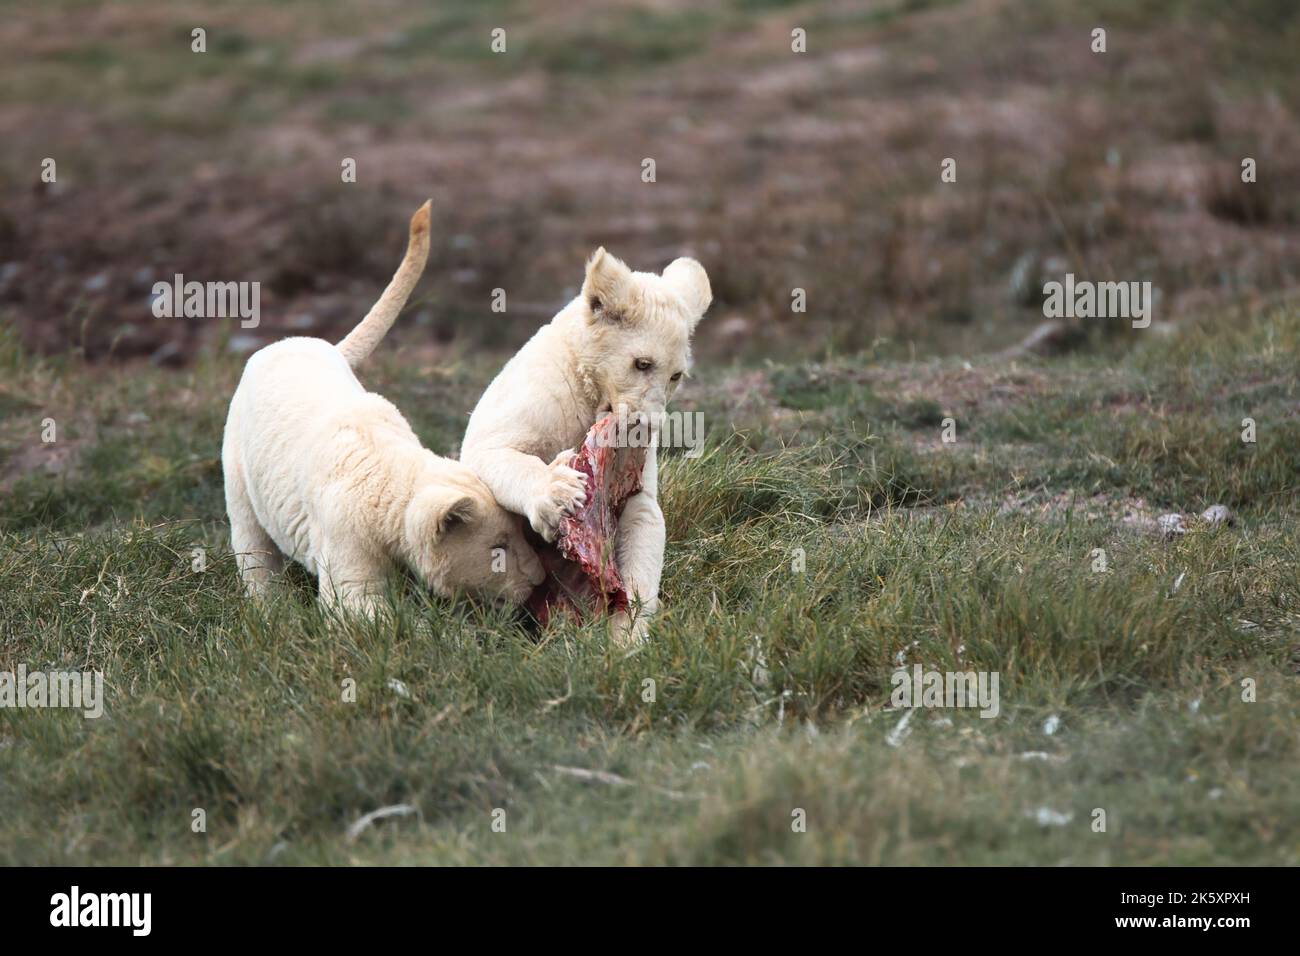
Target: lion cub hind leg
(258,557)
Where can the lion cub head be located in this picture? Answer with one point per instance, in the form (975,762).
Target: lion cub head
(639,325)
(461,541)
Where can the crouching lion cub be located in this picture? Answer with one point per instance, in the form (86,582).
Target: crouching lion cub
(624,341)
(321,471)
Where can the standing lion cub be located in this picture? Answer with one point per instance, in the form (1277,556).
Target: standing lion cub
(624,341)
(321,471)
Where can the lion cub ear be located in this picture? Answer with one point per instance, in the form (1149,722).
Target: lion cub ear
(688,279)
(451,511)
(603,286)
(437,510)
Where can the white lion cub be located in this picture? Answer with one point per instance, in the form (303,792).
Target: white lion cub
(625,340)
(321,471)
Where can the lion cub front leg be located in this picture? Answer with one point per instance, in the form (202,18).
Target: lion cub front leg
(351,578)
(528,486)
(640,552)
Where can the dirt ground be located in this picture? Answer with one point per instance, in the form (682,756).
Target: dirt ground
(780,170)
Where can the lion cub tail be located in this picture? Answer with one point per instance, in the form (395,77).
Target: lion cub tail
(362,340)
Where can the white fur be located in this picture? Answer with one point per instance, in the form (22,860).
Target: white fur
(323,472)
(522,433)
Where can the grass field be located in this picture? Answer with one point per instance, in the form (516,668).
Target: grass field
(771,686)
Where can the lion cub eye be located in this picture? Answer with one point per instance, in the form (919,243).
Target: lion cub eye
(643,364)
(676,377)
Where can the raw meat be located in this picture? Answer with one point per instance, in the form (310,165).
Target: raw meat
(581,567)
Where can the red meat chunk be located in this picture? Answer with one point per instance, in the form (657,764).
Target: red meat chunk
(581,567)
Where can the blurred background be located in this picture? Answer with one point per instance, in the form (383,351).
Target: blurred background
(778,170)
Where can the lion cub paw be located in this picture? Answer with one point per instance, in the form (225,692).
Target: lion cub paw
(628,631)
(566,491)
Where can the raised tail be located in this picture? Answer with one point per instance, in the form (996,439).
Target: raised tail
(362,340)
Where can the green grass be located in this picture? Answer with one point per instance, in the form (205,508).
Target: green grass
(770,686)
